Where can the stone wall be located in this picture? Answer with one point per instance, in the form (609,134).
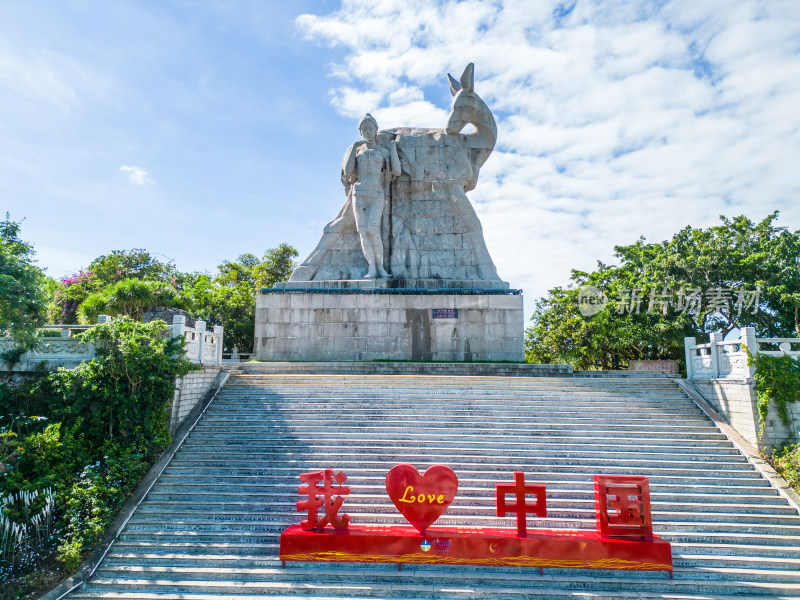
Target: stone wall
(189,390)
(328,326)
(736,401)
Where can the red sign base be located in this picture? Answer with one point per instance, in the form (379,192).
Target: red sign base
(543,548)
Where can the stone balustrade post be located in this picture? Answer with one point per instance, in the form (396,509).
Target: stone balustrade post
(749,339)
(103,319)
(716,338)
(688,344)
(219,331)
(200,326)
(178,326)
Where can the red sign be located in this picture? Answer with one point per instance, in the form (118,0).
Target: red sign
(327,490)
(542,548)
(421,499)
(520,507)
(624,538)
(622,505)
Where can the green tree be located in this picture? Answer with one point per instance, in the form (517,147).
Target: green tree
(23,301)
(228,299)
(128,297)
(105,271)
(131,264)
(746,273)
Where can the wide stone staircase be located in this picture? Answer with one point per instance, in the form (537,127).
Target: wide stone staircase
(210,526)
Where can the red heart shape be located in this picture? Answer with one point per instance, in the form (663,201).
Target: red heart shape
(421,499)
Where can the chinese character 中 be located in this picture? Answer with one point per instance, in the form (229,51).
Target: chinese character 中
(520,507)
(331,505)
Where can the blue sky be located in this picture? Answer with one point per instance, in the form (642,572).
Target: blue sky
(201,130)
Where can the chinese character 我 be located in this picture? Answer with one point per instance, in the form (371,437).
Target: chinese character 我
(327,491)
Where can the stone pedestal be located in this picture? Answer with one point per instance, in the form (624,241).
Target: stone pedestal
(319,324)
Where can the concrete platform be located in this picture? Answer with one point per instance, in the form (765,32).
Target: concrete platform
(362,325)
(415,285)
(442,369)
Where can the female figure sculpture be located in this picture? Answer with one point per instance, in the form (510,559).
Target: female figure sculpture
(367,171)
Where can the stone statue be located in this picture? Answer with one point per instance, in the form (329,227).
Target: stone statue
(407,202)
(367,170)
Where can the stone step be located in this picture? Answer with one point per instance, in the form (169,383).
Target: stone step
(442,397)
(721,459)
(643,464)
(662,520)
(268,551)
(541,594)
(441,405)
(431,584)
(557,466)
(180,559)
(373,434)
(448,398)
(368,495)
(752,489)
(210,526)
(476,439)
(275,523)
(430,381)
(247,505)
(242,573)
(265,414)
(426,381)
(379,391)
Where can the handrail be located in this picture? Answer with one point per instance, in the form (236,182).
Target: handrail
(724,360)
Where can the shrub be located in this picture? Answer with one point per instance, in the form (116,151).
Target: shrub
(89,434)
(787,462)
(778,379)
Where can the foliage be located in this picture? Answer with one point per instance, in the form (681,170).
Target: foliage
(786,461)
(96,496)
(105,271)
(228,299)
(68,298)
(96,430)
(128,297)
(23,302)
(777,378)
(736,274)
(136,366)
(129,282)
(131,264)
(608,340)
(26,530)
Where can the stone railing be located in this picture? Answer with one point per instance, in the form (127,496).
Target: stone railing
(63,351)
(202,347)
(720,359)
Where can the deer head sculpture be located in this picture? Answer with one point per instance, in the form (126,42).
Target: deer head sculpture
(468,107)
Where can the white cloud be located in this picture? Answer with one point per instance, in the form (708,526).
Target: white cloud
(136,175)
(616,119)
(45,76)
